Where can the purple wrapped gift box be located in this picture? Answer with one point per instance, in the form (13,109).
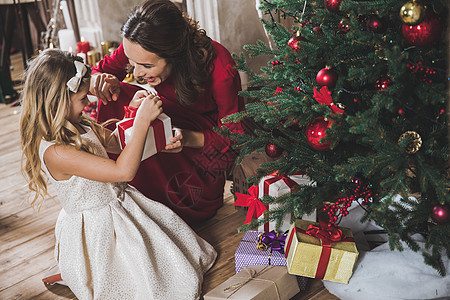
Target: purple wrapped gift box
(247,253)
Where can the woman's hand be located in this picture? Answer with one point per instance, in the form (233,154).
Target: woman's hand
(176,143)
(185,138)
(105,86)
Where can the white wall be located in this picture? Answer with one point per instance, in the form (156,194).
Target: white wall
(113,14)
(233,23)
(240,25)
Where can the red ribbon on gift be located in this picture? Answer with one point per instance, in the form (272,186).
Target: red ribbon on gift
(157,124)
(255,207)
(327,235)
(130,111)
(289,182)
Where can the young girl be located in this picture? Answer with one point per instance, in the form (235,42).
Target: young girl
(111,241)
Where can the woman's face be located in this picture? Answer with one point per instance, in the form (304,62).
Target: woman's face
(147,65)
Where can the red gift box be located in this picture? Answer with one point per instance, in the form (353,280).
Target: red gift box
(273,185)
(158,135)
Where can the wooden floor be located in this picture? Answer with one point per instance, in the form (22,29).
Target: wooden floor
(27,236)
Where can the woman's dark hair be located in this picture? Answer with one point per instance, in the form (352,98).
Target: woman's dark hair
(160,27)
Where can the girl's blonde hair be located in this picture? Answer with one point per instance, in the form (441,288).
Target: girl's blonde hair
(45,103)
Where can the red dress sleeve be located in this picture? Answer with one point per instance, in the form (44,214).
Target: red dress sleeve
(225,85)
(115,64)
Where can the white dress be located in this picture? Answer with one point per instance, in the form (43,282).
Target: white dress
(114,243)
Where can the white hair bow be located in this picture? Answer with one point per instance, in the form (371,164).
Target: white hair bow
(74,82)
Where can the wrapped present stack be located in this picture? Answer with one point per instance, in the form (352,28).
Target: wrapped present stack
(319,251)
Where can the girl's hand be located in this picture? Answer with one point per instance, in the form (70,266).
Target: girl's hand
(149,109)
(138,97)
(176,143)
(105,86)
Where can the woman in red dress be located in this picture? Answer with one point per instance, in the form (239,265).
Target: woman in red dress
(197,82)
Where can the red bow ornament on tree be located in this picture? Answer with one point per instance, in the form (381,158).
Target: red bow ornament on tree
(255,207)
(324,97)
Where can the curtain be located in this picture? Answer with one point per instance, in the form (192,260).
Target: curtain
(207,15)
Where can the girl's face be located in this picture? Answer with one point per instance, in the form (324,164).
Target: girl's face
(147,65)
(78,101)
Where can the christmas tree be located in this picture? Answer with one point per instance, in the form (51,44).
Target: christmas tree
(355,96)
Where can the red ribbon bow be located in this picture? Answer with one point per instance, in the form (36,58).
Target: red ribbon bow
(324,97)
(326,234)
(255,207)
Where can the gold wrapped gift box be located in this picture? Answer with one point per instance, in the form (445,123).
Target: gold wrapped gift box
(307,255)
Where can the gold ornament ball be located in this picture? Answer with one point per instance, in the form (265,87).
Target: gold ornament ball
(412,13)
(415,141)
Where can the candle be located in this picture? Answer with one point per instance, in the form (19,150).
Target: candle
(67,38)
(83,47)
(105,46)
(93,57)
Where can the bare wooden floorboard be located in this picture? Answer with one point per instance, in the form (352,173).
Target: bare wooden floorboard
(27,236)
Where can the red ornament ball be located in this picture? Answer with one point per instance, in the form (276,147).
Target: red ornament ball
(315,131)
(327,77)
(294,42)
(383,83)
(273,150)
(440,214)
(424,33)
(376,24)
(332,5)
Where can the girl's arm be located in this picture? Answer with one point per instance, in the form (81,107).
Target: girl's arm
(64,161)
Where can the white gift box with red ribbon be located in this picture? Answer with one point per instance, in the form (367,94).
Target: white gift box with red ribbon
(276,186)
(158,135)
